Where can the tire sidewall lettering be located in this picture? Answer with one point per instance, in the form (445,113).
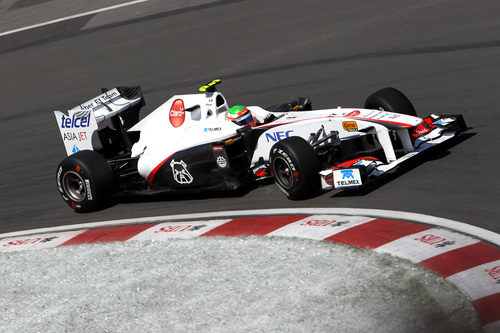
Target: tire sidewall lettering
(287,159)
(59,183)
(299,163)
(85,181)
(61,172)
(284,156)
(88,189)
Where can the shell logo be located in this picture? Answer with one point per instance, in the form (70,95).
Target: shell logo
(177,115)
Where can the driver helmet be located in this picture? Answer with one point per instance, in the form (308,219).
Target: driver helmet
(240,115)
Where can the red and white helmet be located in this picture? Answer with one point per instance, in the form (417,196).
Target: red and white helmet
(240,115)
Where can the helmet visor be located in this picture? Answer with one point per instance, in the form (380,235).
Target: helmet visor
(246,119)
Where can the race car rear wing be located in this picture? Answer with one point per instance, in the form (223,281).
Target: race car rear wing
(112,102)
(121,105)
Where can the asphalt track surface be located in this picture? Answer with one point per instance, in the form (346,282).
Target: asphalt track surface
(445,55)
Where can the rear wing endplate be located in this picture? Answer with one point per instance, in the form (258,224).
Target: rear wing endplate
(82,121)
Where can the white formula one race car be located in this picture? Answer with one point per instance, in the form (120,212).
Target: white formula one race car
(190,144)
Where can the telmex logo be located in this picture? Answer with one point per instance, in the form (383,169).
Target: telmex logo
(350,126)
(347,174)
(177,114)
(75,122)
(278,135)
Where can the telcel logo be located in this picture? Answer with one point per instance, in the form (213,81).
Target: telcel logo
(75,122)
(278,135)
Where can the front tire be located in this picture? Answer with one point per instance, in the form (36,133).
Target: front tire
(295,167)
(85,181)
(390,99)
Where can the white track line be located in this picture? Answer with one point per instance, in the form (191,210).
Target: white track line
(72,17)
(471,230)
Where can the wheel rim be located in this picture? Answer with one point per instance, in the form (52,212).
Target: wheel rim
(74,186)
(283,173)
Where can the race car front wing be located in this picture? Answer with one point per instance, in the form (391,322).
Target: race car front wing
(359,172)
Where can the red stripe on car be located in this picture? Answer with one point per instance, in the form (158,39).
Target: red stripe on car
(384,121)
(350,163)
(155,170)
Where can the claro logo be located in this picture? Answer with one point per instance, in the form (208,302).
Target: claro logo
(177,113)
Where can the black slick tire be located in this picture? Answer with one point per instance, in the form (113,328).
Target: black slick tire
(295,167)
(390,99)
(85,181)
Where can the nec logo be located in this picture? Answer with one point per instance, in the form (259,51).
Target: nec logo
(75,122)
(278,135)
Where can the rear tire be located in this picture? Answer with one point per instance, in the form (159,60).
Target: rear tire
(85,181)
(390,99)
(295,167)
